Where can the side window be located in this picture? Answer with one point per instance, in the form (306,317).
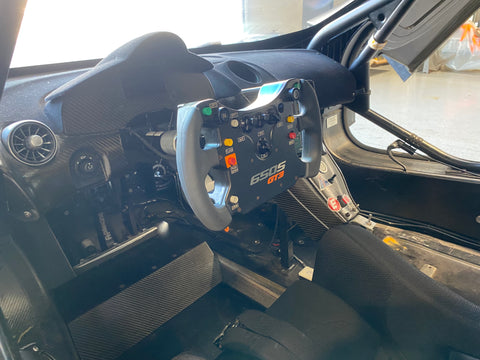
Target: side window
(440,102)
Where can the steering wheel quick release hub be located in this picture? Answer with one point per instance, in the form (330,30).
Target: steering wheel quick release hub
(252,154)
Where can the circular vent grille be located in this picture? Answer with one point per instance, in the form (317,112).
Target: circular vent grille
(30,142)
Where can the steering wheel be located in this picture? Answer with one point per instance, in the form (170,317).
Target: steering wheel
(251,154)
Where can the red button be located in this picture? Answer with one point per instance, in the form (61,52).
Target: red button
(292,135)
(334,204)
(232,161)
(346,199)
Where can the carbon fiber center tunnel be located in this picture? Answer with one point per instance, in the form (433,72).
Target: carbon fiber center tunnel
(114,326)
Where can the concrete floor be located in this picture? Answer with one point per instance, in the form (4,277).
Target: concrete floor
(441,107)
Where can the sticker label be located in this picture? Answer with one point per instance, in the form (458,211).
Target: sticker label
(241,139)
(332,121)
(229,150)
(261,133)
(334,204)
(291,142)
(306,273)
(323,183)
(234,169)
(290,126)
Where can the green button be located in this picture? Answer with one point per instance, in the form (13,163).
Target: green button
(207,111)
(297,85)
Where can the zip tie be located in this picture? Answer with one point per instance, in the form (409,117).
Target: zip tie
(373,44)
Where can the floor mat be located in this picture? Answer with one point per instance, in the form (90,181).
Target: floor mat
(195,328)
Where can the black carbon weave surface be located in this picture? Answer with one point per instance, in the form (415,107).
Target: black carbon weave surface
(111,328)
(15,304)
(107,102)
(307,208)
(30,316)
(104,107)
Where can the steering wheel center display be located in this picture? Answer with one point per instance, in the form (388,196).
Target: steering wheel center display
(252,154)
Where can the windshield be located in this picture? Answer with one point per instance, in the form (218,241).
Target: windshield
(55,31)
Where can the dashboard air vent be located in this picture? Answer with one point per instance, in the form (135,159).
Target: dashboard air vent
(30,142)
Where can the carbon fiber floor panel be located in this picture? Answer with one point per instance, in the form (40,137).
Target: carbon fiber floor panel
(111,328)
(195,328)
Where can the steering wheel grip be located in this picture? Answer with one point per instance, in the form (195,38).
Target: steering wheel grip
(312,128)
(193,165)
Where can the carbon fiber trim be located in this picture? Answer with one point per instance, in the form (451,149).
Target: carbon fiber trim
(104,103)
(111,328)
(15,304)
(30,317)
(303,204)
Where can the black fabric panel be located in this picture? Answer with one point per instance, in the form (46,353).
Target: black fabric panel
(334,84)
(23,98)
(259,346)
(280,331)
(424,318)
(233,355)
(458,356)
(165,49)
(188,356)
(336,329)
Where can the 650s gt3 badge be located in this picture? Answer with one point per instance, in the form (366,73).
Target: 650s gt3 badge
(273,174)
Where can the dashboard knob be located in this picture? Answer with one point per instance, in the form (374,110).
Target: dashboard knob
(272,119)
(85,165)
(295,93)
(263,148)
(33,142)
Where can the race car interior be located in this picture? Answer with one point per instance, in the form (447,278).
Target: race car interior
(195,204)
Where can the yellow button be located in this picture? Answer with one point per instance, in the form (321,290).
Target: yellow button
(290,119)
(228,142)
